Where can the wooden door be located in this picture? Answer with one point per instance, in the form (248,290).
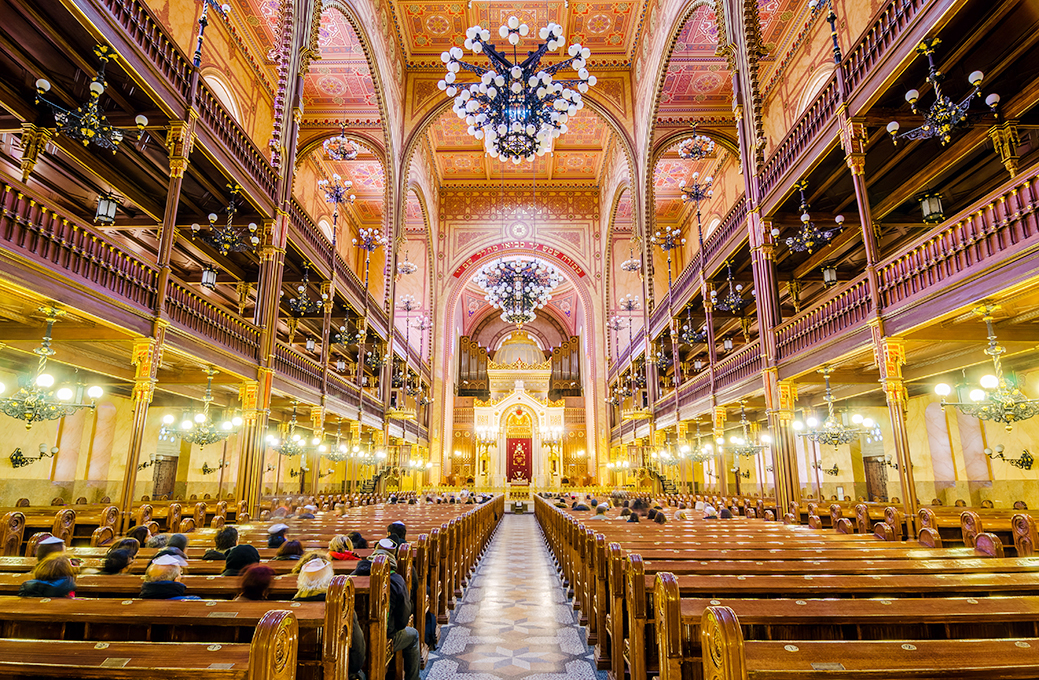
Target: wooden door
(164,476)
(876,479)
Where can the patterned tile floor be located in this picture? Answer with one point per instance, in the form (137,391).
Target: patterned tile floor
(515,621)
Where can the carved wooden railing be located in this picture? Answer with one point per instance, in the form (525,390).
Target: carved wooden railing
(343,390)
(731,225)
(665,406)
(355,290)
(140,26)
(234,139)
(197,315)
(996,230)
(309,232)
(744,363)
(800,137)
(890,23)
(290,363)
(64,246)
(849,307)
(370,404)
(695,389)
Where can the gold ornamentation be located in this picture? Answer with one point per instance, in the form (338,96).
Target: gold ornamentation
(34,140)
(1005,139)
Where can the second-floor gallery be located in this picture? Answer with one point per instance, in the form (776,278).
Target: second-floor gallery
(749,247)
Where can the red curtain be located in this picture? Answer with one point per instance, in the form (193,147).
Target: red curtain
(518,456)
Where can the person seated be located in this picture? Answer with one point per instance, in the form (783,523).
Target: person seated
(256,582)
(359,542)
(176,545)
(709,512)
(225,539)
(340,548)
(159,541)
(339,510)
(987,504)
(652,514)
(681,514)
(699,506)
(625,513)
(600,512)
(960,503)
(162,580)
(116,561)
(725,513)
(313,580)
(308,512)
(53,576)
(660,518)
(404,637)
(397,532)
(276,534)
(1020,505)
(141,533)
(49,546)
(129,544)
(238,558)
(412,501)
(289,551)
(633,518)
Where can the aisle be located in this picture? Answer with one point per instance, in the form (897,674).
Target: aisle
(514,621)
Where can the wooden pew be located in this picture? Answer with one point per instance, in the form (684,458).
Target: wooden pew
(270,656)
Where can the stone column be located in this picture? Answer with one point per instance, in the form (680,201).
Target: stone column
(891,356)
(147,355)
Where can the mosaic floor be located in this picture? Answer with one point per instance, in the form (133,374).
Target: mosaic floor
(514,621)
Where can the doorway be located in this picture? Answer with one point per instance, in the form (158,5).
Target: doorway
(876,479)
(164,476)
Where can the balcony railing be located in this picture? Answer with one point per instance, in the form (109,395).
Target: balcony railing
(343,390)
(196,315)
(309,232)
(849,307)
(63,245)
(294,365)
(743,364)
(891,22)
(142,29)
(696,389)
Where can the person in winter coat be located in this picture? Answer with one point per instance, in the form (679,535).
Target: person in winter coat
(54,576)
(341,548)
(162,580)
(225,539)
(276,535)
(238,558)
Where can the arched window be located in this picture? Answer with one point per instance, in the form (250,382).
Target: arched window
(712,226)
(815,85)
(222,91)
(325,228)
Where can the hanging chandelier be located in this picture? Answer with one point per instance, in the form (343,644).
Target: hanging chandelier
(632,265)
(745,445)
(809,237)
(406,267)
(229,238)
(696,148)
(832,431)
(340,148)
(338,451)
(702,452)
(689,334)
(37,399)
(200,429)
(88,124)
(944,117)
(294,444)
(518,287)
(733,301)
(516,108)
(995,399)
(303,305)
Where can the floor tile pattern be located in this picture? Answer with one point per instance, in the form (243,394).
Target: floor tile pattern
(514,621)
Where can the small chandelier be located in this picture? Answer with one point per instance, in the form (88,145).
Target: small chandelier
(696,148)
(340,148)
(406,267)
(407,303)
(744,445)
(228,238)
(944,117)
(832,431)
(733,301)
(518,287)
(338,451)
(88,124)
(200,429)
(994,400)
(516,108)
(37,399)
(303,306)
(688,333)
(374,360)
(702,452)
(697,191)
(809,237)
(294,444)
(632,265)
(369,239)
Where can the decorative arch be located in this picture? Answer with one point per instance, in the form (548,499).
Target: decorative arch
(223,91)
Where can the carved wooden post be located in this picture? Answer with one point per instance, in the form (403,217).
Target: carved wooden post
(147,355)
(255,398)
(780,397)
(720,466)
(891,355)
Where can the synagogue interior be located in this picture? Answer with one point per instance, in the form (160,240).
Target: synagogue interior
(761,276)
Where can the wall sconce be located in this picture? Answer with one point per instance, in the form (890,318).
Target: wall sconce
(833,472)
(829,275)
(727,344)
(145,464)
(311,345)
(206,470)
(931,207)
(1024,462)
(19,459)
(698,364)
(270,467)
(106,207)
(209,278)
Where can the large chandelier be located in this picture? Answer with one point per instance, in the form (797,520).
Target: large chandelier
(994,400)
(516,108)
(518,287)
(944,116)
(88,124)
(340,147)
(696,148)
(733,301)
(37,399)
(229,238)
(303,305)
(809,237)
(338,451)
(745,445)
(294,444)
(702,452)
(200,429)
(832,431)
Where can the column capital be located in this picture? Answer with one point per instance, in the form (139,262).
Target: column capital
(1006,141)
(34,140)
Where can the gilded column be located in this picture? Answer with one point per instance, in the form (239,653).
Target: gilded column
(780,397)
(147,355)
(317,421)
(891,356)
(180,138)
(255,398)
(854,138)
(721,469)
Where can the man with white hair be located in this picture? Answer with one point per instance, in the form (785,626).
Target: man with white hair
(162,580)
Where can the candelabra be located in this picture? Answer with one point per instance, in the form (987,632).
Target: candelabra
(733,300)
(670,239)
(995,400)
(368,240)
(402,412)
(809,237)
(831,18)
(88,124)
(696,148)
(944,117)
(630,303)
(228,238)
(337,192)
(203,21)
